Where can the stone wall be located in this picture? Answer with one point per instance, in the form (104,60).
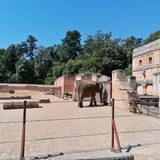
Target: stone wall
(32,87)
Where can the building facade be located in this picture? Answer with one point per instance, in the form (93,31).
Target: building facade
(146,68)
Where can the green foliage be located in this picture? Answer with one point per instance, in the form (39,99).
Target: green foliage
(129,44)
(100,53)
(49,80)
(53,74)
(31,46)
(25,72)
(152,37)
(104,54)
(2,65)
(58,70)
(11,58)
(128,70)
(71,46)
(73,67)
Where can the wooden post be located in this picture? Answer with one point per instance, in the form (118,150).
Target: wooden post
(23,133)
(114,132)
(112,135)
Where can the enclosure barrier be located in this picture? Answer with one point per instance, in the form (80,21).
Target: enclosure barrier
(114,132)
(22,151)
(146,107)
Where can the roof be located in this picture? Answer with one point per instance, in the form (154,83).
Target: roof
(104,78)
(150,47)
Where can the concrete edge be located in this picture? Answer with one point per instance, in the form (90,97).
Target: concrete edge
(94,155)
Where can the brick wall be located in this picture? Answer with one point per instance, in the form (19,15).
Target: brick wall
(69,84)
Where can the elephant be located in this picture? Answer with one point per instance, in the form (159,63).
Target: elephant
(88,88)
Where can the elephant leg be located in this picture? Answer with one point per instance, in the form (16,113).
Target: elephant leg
(95,103)
(94,99)
(80,104)
(80,101)
(91,102)
(105,103)
(101,98)
(105,97)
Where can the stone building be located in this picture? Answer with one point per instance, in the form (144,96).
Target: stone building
(146,68)
(66,83)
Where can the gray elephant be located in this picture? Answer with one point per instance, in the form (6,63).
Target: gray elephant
(88,88)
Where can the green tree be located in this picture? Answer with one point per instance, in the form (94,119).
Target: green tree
(73,67)
(53,52)
(128,70)
(25,72)
(31,44)
(3,69)
(71,46)
(56,72)
(103,54)
(11,58)
(43,63)
(129,44)
(152,37)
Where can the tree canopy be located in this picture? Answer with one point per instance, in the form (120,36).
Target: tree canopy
(152,37)
(27,62)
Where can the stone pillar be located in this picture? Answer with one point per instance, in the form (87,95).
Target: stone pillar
(109,91)
(119,85)
(155,84)
(118,74)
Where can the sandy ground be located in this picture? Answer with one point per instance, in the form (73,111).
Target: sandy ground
(61,126)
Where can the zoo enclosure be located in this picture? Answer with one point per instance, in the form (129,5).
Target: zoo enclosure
(22,153)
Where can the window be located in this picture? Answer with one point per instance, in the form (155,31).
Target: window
(140,62)
(150,60)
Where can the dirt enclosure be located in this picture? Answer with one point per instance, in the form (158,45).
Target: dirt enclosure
(60,126)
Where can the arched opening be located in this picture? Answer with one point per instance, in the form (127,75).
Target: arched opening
(150,60)
(140,62)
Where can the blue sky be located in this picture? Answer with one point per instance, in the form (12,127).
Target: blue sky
(49,20)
